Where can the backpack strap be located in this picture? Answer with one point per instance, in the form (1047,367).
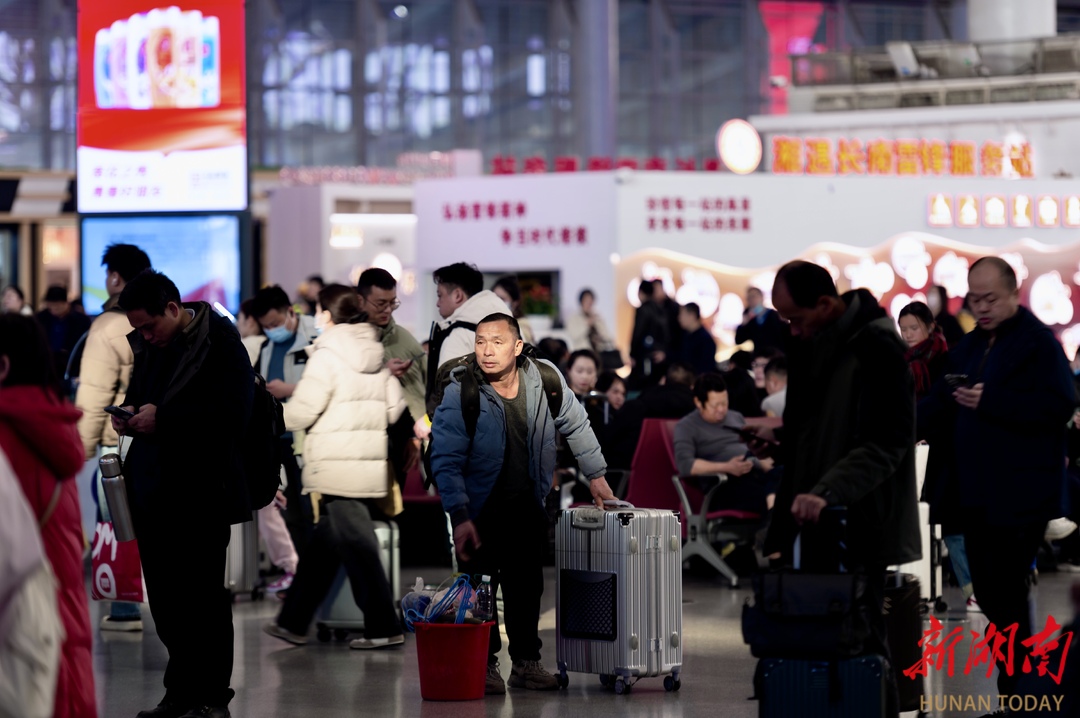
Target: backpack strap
(470,400)
(552,387)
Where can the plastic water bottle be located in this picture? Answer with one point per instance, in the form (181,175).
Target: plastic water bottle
(484,606)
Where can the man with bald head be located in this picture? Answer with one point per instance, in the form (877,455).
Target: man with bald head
(1010,396)
(849,438)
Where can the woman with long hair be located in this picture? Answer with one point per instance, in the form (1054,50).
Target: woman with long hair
(345,400)
(39,435)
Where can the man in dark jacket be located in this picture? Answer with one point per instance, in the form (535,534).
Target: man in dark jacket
(1013,399)
(761,325)
(190,371)
(673,398)
(698,348)
(849,429)
(649,342)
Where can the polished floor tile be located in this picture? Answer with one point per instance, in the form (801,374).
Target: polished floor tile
(274,680)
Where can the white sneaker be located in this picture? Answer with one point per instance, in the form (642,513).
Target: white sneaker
(1059,529)
(973,606)
(108,623)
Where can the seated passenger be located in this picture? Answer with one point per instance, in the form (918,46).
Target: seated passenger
(775,387)
(707,442)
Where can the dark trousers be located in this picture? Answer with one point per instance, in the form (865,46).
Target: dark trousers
(299,515)
(513,533)
(184,567)
(345,535)
(1000,558)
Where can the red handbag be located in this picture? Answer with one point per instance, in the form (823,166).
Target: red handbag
(116,567)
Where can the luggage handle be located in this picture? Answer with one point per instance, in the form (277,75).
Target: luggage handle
(593,518)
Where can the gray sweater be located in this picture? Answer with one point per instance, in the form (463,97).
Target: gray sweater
(696,438)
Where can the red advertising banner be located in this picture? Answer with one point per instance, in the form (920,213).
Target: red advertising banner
(161,117)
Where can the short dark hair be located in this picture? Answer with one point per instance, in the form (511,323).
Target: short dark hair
(585,293)
(766,352)
(646,287)
(587,353)
(465,277)
(343,303)
(151,291)
(1008,274)
(694,309)
(509,284)
(18,292)
(247,307)
(375,277)
(30,360)
(777,366)
(316,278)
(680,373)
(607,379)
(752,288)
(502,317)
(127,260)
(553,349)
(705,383)
(268,299)
(920,311)
(806,283)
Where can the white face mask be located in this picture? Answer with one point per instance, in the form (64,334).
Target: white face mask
(322,321)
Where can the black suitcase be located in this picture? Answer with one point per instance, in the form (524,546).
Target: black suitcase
(903,621)
(842,688)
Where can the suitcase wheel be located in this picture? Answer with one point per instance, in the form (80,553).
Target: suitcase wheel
(672,684)
(621,686)
(340,634)
(606,680)
(940,606)
(323,634)
(563,680)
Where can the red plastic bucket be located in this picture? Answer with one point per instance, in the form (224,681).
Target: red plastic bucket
(453,660)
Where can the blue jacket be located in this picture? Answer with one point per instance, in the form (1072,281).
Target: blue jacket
(466,471)
(1011,450)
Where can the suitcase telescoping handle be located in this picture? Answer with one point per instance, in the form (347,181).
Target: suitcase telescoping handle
(829,535)
(592,518)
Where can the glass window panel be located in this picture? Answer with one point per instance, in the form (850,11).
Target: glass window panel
(440,81)
(373,68)
(373,113)
(536,75)
(470,71)
(440,112)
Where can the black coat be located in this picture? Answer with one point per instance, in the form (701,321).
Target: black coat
(770,332)
(202,385)
(1010,452)
(849,428)
(650,331)
(698,349)
(665,401)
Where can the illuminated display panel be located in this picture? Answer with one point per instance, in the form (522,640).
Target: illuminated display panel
(161,120)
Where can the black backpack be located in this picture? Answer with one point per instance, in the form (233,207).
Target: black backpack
(436,380)
(470,394)
(262,446)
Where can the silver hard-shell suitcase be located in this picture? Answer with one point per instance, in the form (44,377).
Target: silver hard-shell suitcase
(242,561)
(619,595)
(339,615)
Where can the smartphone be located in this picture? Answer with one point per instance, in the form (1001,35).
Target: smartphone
(118,412)
(957,381)
(749,436)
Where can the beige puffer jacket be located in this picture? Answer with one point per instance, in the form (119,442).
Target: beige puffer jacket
(345,399)
(103,378)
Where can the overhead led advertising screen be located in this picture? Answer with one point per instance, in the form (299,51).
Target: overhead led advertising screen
(200,254)
(161,116)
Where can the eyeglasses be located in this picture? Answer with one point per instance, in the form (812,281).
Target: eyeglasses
(384,304)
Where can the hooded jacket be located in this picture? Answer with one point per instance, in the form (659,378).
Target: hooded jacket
(202,385)
(466,470)
(462,341)
(1009,464)
(39,436)
(103,377)
(849,428)
(296,358)
(345,400)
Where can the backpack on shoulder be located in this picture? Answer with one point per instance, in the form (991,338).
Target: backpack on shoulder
(262,446)
(470,394)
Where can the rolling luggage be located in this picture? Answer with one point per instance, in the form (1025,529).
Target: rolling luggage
(339,615)
(903,621)
(242,561)
(619,595)
(838,688)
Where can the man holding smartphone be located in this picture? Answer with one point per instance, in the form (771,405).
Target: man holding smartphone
(1009,394)
(188,361)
